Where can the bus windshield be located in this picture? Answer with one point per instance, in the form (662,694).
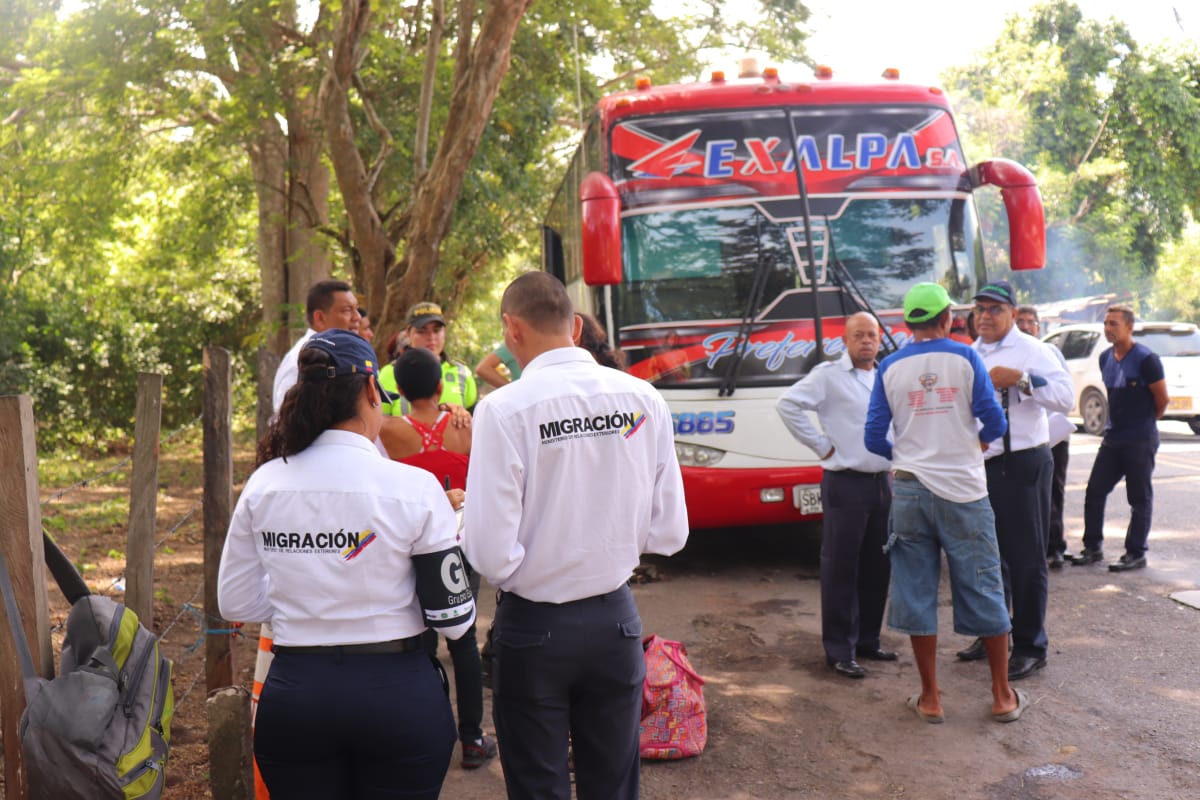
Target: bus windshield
(699,263)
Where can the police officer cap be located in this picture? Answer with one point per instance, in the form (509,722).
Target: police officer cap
(422,314)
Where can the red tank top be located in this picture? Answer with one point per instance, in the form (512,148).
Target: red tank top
(431,436)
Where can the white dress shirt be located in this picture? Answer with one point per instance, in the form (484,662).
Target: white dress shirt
(321,545)
(573,476)
(1051,387)
(840,393)
(289,371)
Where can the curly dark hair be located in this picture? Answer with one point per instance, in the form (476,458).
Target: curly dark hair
(316,403)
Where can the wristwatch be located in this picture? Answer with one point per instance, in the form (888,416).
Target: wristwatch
(1023,383)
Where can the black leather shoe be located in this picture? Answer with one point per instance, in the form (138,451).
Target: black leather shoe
(851,669)
(1055,561)
(1024,666)
(1127,563)
(974,652)
(1088,556)
(876,654)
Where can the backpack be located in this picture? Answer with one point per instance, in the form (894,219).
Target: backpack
(101,728)
(674,721)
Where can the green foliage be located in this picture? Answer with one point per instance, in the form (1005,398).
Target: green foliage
(1177,293)
(1112,132)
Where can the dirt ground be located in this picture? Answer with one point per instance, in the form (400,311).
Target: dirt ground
(1116,714)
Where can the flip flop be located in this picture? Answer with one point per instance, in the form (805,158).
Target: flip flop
(1015,714)
(932,719)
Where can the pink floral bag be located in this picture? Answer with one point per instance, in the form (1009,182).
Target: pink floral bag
(674,723)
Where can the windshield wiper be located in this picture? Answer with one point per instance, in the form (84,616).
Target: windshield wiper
(843,278)
(758,287)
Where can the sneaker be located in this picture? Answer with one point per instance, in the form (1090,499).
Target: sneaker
(479,752)
(1090,555)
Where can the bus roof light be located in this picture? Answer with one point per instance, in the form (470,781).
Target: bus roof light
(718,76)
(748,67)
(823,72)
(643,82)
(771,74)
(891,74)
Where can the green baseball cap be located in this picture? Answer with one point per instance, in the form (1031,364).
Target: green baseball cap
(924,302)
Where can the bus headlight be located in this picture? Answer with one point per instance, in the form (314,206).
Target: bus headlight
(696,455)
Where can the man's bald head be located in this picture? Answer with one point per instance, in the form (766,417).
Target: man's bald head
(862,339)
(541,300)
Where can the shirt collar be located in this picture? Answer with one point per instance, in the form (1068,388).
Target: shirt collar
(342,438)
(846,364)
(558,355)
(1009,340)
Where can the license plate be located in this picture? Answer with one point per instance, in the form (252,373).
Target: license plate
(1180,404)
(807,499)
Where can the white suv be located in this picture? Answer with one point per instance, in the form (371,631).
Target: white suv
(1176,343)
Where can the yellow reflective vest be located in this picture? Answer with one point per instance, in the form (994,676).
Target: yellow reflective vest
(458,387)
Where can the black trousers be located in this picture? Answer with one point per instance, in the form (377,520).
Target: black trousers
(1019,491)
(1061,454)
(360,727)
(568,672)
(854,569)
(1135,463)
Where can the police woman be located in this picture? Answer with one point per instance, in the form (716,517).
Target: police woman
(351,557)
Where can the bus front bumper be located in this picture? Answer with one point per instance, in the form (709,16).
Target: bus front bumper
(723,498)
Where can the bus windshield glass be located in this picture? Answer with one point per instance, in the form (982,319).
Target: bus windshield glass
(699,263)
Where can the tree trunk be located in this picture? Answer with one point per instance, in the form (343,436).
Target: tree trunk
(267,153)
(435,195)
(375,252)
(308,186)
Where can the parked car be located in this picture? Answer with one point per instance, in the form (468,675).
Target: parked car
(1176,343)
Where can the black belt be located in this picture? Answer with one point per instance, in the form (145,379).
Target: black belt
(511,597)
(854,473)
(371,648)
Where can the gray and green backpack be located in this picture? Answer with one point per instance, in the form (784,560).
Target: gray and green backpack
(101,728)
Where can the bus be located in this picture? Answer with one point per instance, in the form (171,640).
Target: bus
(722,231)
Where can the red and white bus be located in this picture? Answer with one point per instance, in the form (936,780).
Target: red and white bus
(685,227)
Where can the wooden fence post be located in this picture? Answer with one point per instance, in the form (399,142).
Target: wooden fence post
(143,499)
(218,505)
(21,538)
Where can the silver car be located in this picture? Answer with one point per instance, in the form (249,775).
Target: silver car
(1176,343)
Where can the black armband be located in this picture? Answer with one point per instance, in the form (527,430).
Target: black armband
(442,588)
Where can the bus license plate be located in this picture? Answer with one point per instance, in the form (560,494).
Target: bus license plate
(807,499)
(1180,404)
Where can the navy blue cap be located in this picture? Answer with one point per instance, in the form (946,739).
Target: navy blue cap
(1000,291)
(351,355)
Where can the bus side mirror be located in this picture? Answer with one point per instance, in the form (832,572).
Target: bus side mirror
(1023,202)
(601,230)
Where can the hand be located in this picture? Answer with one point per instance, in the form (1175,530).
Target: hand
(827,455)
(459,416)
(456,498)
(983,446)
(1004,377)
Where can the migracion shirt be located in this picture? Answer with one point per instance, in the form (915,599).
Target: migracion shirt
(1132,416)
(573,477)
(931,392)
(322,546)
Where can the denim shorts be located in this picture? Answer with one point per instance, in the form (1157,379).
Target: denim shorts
(923,526)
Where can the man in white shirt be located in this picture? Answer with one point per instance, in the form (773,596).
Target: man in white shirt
(579,479)
(1061,429)
(330,304)
(1030,381)
(856,496)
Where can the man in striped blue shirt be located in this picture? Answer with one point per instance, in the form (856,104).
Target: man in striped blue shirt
(931,393)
